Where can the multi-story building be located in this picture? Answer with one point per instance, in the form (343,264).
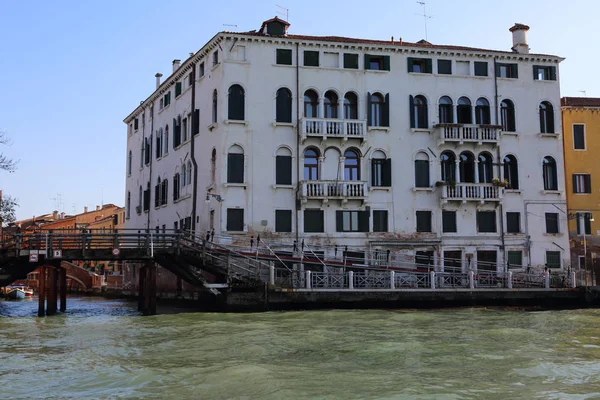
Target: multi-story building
(581,122)
(435,154)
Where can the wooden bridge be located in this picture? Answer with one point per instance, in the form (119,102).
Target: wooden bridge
(275,273)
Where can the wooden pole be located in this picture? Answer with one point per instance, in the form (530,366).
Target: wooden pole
(152,289)
(52,300)
(141,284)
(147,289)
(63,289)
(42,291)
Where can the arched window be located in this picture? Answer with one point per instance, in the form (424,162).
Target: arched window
(283,166)
(331,104)
(467,167)
(283,105)
(350,106)
(549,173)
(311,165)
(128,204)
(235,164)
(129,161)
(236,103)
(165,141)
(183,176)
(376,110)
(214,106)
(511,171)
(189,172)
(213,166)
(422,170)
(446,110)
(546,117)
(418,114)
(482,112)
(485,168)
(381,169)
(311,104)
(448,163)
(507,116)
(351,165)
(463,111)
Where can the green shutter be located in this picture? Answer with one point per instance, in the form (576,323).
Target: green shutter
(339,221)
(409,63)
(177,89)
(552,73)
(369,116)
(196,122)
(386,173)
(363,221)
(428,66)
(535,72)
(411,106)
(514,71)
(385,118)
(367,61)
(386,63)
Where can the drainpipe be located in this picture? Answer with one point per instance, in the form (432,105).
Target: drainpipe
(193,153)
(499,165)
(150,166)
(297,200)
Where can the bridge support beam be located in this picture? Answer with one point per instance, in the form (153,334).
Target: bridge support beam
(63,288)
(42,292)
(152,289)
(141,288)
(147,289)
(52,298)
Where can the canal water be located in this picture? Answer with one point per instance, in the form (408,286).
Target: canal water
(105,349)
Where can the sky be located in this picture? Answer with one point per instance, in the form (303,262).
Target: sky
(73,70)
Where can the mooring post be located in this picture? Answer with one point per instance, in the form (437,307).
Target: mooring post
(63,289)
(141,289)
(432,279)
(573,279)
(509,280)
(52,299)
(350,279)
(392,280)
(42,291)
(147,289)
(471,280)
(547,279)
(152,289)
(272,275)
(308,282)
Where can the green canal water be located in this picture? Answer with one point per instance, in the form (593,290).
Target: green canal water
(104,349)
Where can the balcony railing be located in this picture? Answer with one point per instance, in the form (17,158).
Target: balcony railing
(325,190)
(326,128)
(472,192)
(479,134)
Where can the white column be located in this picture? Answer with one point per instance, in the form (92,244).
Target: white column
(476,164)
(432,279)
(471,280)
(320,167)
(457,171)
(321,108)
(308,280)
(509,282)
(341,168)
(392,280)
(547,279)
(350,279)
(272,275)
(573,277)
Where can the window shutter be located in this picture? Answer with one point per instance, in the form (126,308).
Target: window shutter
(283,170)
(385,119)
(588,183)
(156,195)
(235,168)
(369,116)
(409,63)
(411,106)
(339,224)
(367,61)
(497,69)
(386,63)
(575,190)
(514,71)
(552,73)
(196,122)
(579,216)
(587,225)
(535,72)
(428,66)
(363,221)
(386,172)
(177,89)
(425,116)
(550,119)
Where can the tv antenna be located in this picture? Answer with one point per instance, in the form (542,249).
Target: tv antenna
(283,11)
(425,16)
(59,205)
(584,93)
(230,25)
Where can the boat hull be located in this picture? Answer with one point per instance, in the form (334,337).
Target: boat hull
(15,294)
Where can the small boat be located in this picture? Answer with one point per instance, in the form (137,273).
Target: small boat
(18,292)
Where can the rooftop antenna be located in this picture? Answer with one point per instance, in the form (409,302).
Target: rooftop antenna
(230,25)
(58,202)
(425,16)
(283,11)
(584,93)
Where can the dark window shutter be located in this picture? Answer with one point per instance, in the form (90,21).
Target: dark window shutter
(552,73)
(339,224)
(575,190)
(587,225)
(196,122)
(411,107)
(550,119)
(535,72)
(156,195)
(386,178)
(421,173)
(363,221)
(283,220)
(428,66)
(367,61)
(588,183)
(386,63)
(409,63)
(235,168)
(578,219)
(283,170)
(425,116)
(385,119)
(369,114)
(514,71)
(177,89)
(497,69)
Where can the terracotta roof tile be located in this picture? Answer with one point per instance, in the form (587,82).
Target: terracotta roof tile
(580,102)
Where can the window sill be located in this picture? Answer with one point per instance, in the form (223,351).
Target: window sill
(289,124)
(381,188)
(509,133)
(545,80)
(213,126)
(378,128)
(164,108)
(551,191)
(579,149)
(181,198)
(515,191)
(215,66)
(237,62)
(423,189)
(236,233)
(421,130)
(242,185)
(377,71)
(200,78)
(235,122)
(460,76)
(284,65)
(421,73)
(507,79)
(276,186)
(581,194)
(549,135)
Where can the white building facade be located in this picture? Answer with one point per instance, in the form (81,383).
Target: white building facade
(441,155)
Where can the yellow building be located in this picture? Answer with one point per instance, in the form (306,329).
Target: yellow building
(581,139)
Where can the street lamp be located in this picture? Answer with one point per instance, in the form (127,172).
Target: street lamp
(216,197)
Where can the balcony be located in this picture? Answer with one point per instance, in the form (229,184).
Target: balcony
(459,133)
(333,190)
(464,192)
(326,128)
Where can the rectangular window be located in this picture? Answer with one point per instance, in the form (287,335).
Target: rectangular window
(481,68)
(177,89)
(380,221)
(515,258)
(135,124)
(311,58)
(283,170)
(283,220)
(584,223)
(235,220)
(215,58)
(381,172)
(352,221)
(350,61)
(582,183)
(284,56)
(377,63)
(579,137)
(235,168)
(486,221)
(553,259)
(201,72)
(487,260)
(463,68)
(331,60)
(551,222)
(419,65)
(314,221)
(513,222)
(449,222)
(507,70)
(445,67)
(423,221)
(544,73)
(190,79)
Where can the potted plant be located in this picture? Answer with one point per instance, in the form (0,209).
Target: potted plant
(498,182)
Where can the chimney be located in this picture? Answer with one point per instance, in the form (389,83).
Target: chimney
(158,76)
(85,209)
(62,215)
(519,36)
(176,64)
(55,215)
(97,208)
